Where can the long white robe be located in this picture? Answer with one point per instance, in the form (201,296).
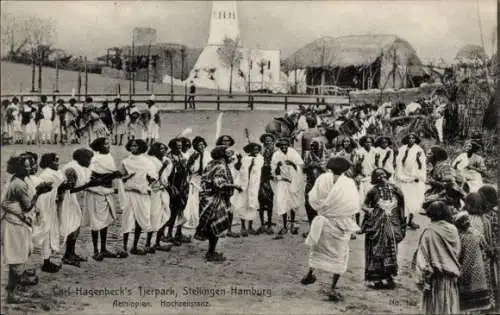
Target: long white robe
(160,199)
(406,175)
(290,186)
(246,203)
(138,192)
(71,212)
(192,210)
(388,165)
(336,203)
(46,122)
(48,205)
(367,167)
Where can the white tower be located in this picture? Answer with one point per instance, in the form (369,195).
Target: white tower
(209,70)
(224,22)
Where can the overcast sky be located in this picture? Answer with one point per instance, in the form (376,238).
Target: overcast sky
(434,28)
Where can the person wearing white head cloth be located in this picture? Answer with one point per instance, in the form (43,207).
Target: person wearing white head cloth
(336,199)
(134,124)
(154,121)
(411,174)
(46,123)
(28,113)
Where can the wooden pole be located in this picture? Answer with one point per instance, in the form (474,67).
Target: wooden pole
(40,62)
(33,69)
(79,83)
(86,77)
(133,64)
(57,75)
(149,62)
(394,65)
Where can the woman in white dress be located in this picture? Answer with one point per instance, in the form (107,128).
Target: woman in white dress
(138,177)
(286,164)
(411,174)
(196,164)
(471,166)
(28,112)
(365,160)
(160,199)
(386,155)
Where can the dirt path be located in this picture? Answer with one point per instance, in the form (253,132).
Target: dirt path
(269,269)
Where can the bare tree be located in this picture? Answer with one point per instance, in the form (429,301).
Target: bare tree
(231,55)
(169,54)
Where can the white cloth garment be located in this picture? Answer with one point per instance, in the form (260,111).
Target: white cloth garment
(289,184)
(473,178)
(386,160)
(192,210)
(160,199)
(71,212)
(48,205)
(328,239)
(246,203)
(367,160)
(407,174)
(138,191)
(46,124)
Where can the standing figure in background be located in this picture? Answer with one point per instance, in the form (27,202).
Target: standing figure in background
(365,161)
(347,151)
(28,113)
(59,124)
(436,262)
(154,123)
(14,129)
(134,125)
(71,120)
(471,166)
(192,93)
(386,155)
(267,185)
(106,116)
(46,123)
(120,117)
(411,174)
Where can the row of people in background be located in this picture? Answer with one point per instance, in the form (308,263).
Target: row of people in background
(74,122)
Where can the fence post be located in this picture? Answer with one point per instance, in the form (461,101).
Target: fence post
(286,103)
(317,101)
(185,97)
(251,102)
(22,99)
(218,102)
(54,99)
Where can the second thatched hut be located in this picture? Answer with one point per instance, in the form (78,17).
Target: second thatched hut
(359,61)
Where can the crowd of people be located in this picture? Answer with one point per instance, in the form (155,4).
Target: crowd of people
(41,122)
(348,187)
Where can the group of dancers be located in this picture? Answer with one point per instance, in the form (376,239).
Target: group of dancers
(41,122)
(162,190)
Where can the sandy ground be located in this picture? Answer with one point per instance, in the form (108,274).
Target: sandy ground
(273,268)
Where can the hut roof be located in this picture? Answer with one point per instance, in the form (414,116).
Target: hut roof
(471,52)
(354,50)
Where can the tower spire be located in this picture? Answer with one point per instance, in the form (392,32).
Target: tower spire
(223,22)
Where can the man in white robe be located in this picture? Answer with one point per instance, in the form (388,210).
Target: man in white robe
(246,202)
(366,160)
(411,174)
(286,166)
(336,199)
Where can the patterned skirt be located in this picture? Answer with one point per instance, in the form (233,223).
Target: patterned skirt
(213,218)
(442,298)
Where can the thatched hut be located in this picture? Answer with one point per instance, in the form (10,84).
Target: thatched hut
(359,61)
(471,52)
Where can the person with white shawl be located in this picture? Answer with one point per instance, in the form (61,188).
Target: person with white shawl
(411,175)
(246,202)
(386,155)
(138,176)
(18,214)
(286,166)
(14,128)
(154,123)
(471,166)
(49,205)
(28,113)
(45,128)
(336,199)
(160,198)
(99,201)
(196,164)
(365,160)
(78,178)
